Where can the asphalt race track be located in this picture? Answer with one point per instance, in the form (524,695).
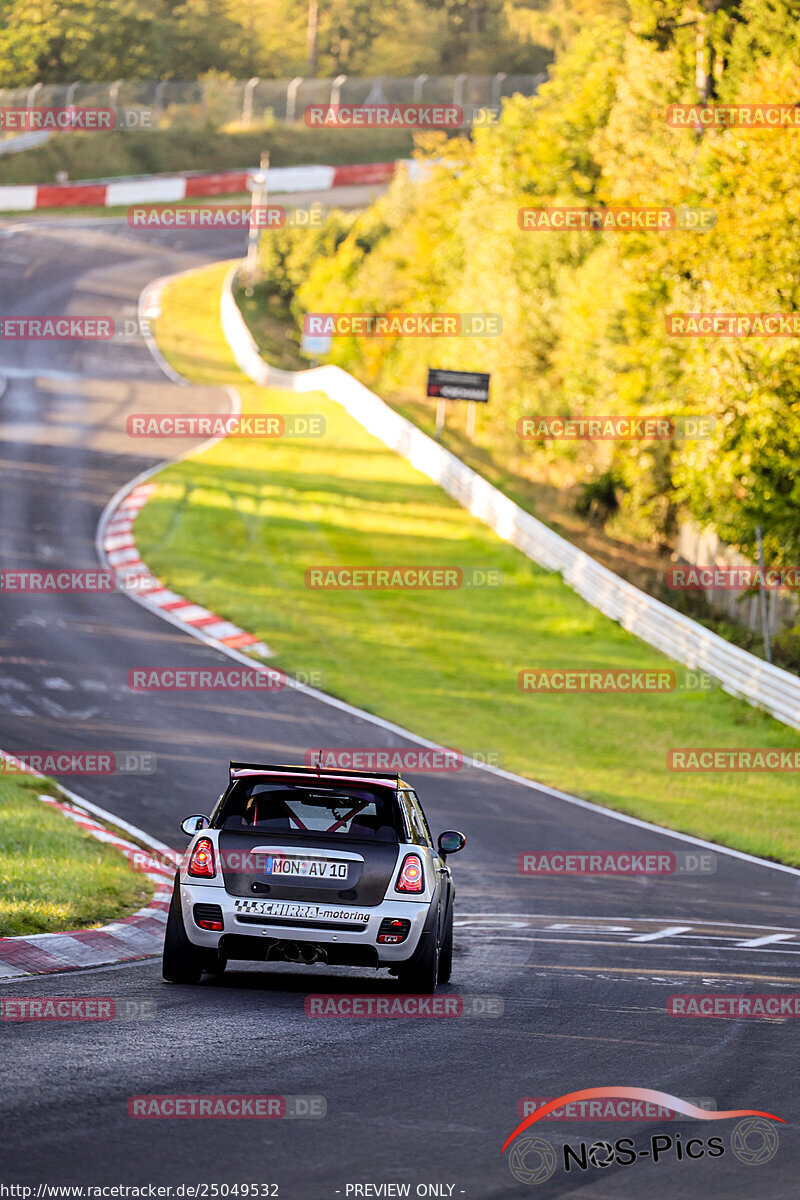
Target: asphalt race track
(583,966)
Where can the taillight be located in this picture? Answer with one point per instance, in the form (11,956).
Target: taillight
(201,864)
(412,878)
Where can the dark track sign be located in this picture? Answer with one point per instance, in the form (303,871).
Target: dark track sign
(458,385)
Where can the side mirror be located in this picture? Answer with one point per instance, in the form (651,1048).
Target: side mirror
(451,841)
(192,825)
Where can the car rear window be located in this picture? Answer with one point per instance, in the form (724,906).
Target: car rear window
(306,810)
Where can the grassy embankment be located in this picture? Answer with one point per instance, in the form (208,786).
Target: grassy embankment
(54,876)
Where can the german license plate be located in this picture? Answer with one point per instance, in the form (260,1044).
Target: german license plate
(304,868)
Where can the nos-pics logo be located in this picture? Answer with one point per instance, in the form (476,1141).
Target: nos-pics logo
(532,1160)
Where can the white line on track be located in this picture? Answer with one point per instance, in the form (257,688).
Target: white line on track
(754,943)
(598,931)
(528,917)
(670,931)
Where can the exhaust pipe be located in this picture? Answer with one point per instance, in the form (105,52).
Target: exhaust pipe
(312,954)
(305,955)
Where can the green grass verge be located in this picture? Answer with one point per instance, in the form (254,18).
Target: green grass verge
(160,151)
(236,527)
(54,876)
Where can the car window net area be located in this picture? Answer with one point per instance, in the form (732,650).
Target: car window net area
(305,811)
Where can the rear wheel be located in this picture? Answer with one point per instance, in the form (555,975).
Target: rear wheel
(181,962)
(446,952)
(421,976)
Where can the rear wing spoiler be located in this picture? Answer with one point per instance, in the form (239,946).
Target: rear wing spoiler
(314,772)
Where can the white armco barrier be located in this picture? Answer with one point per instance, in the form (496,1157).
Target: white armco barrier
(683,640)
(24,141)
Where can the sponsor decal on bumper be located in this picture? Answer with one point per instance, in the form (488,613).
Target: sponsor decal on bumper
(303,912)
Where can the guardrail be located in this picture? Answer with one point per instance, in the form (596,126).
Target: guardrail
(682,639)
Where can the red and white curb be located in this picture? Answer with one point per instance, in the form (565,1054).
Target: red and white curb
(167,189)
(138,936)
(119,549)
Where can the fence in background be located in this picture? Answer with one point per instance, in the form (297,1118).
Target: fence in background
(252,102)
(703,547)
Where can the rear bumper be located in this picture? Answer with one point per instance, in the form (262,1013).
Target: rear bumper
(249,934)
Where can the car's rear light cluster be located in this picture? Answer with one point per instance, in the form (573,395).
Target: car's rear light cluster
(412,876)
(201,864)
(208,916)
(393,930)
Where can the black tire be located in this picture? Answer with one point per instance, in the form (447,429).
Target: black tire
(446,952)
(181,962)
(421,975)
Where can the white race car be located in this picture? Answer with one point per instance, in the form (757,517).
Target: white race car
(307,865)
